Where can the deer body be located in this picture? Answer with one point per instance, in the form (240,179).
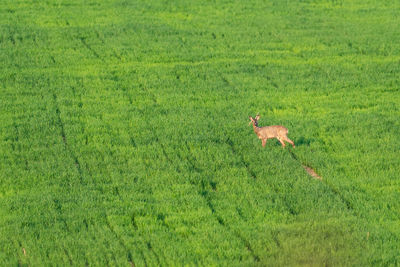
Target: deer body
(267,132)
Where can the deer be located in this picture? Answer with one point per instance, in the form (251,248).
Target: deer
(267,132)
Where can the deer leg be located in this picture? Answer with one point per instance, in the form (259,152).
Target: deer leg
(283,143)
(264,141)
(290,141)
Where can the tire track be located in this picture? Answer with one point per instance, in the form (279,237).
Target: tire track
(274,84)
(149,93)
(119,238)
(245,163)
(121,242)
(150,248)
(77,165)
(103,42)
(90,48)
(253,175)
(275,190)
(207,196)
(202,191)
(65,141)
(307,168)
(248,246)
(160,217)
(314,174)
(71,263)
(81,175)
(130,64)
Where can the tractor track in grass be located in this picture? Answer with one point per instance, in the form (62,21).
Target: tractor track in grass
(90,48)
(316,176)
(206,195)
(307,168)
(104,43)
(250,172)
(76,163)
(79,169)
(202,190)
(68,256)
(244,162)
(153,98)
(311,172)
(120,64)
(254,176)
(121,242)
(150,248)
(65,141)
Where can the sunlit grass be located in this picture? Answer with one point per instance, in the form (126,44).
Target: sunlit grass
(124,134)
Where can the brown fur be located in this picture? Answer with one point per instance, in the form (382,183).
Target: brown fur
(267,132)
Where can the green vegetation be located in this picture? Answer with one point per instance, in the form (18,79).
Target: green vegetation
(124,134)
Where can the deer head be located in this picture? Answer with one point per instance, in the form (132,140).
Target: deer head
(255,120)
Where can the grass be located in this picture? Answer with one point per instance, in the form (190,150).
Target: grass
(124,136)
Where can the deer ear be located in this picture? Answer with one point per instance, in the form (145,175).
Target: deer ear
(257,117)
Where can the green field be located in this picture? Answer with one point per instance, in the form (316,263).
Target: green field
(124,136)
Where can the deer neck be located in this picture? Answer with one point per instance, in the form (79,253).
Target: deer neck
(256,128)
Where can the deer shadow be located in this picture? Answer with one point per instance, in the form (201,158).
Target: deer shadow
(303,141)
